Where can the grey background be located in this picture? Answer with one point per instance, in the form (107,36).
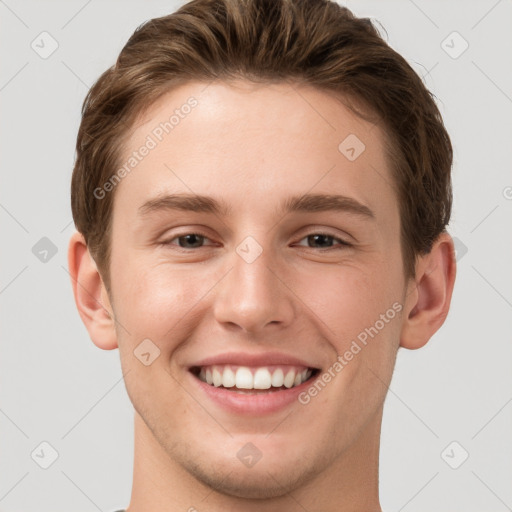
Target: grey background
(56,386)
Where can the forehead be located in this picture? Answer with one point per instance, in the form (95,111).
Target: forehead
(248,142)
(239,108)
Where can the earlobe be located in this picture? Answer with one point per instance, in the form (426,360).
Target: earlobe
(429,296)
(90,295)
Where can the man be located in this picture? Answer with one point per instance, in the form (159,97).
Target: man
(261,194)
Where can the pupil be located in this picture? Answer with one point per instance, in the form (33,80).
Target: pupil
(314,238)
(187,245)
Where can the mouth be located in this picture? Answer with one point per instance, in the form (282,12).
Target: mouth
(252,384)
(252,380)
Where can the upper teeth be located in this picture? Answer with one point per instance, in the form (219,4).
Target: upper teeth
(244,377)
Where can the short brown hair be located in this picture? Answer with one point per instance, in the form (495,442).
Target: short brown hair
(313,42)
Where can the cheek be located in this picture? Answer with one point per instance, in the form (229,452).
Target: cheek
(155,297)
(155,312)
(347,299)
(360,318)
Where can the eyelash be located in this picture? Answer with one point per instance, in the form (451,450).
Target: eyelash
(343,243)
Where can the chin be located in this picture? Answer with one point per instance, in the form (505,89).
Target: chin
(249,483)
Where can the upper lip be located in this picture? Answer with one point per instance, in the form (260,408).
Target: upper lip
(255,359)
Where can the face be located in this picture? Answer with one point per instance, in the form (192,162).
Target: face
(270,308)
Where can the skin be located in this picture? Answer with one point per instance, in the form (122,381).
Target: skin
(253,146)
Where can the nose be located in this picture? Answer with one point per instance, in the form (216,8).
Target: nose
(254,294)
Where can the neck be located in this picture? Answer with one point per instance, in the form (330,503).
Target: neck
(350,484)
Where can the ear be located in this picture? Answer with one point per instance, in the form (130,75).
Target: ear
(91,297)
(429,294)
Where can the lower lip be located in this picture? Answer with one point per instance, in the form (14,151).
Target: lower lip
(258,403)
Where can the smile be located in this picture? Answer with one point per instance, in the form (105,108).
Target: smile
(244,379)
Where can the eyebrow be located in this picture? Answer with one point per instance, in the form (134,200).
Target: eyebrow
(309,203)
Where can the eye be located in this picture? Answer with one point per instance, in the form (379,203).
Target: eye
(321,240)
(325,241)
(187,240)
